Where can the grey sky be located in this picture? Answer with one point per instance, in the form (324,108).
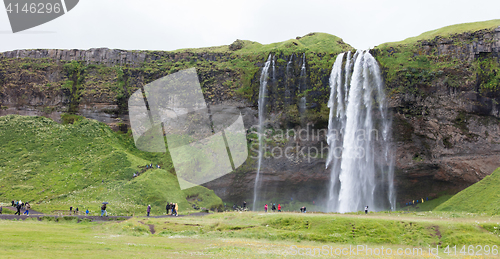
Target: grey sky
(170,25)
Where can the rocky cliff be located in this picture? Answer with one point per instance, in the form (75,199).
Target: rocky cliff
(443,94)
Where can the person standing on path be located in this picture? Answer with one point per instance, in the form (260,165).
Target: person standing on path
(103,210)
(273,207)
(366,210)
(1,208)
(168,207)
(279,207)
(176,209)
(265,208)
(149,209)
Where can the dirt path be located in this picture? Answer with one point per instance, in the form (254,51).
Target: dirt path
(151,227)
(32,212)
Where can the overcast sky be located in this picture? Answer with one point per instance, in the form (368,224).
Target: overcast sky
(170,25)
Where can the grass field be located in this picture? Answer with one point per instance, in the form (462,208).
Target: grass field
(250,235)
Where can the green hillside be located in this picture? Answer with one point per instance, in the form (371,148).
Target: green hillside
(482,197)
(56,166)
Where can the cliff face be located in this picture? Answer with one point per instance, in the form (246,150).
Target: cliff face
(446,102)
(442,93)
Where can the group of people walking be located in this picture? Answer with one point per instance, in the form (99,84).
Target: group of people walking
(19,205)
(172,209)
(273,208)
(421,200)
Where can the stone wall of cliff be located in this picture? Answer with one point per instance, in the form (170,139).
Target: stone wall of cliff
(442,95)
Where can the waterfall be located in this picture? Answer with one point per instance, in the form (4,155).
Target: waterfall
(303,87)
(289,75)
(360,157)
(262,106)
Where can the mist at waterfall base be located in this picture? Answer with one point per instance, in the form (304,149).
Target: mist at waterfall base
(358,156)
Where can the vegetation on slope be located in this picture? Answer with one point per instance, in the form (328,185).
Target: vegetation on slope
(412,64)
(82,164)
(481,197)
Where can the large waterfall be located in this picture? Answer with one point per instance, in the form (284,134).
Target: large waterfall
(360,157)
(262,107)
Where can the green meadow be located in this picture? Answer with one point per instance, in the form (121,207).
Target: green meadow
(252,235)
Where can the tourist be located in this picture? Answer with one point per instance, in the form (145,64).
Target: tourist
(87,212)
(366,210)
(265,208)
(13,202)
(76,211)
(1,209)
(103,210)
(70,210)
(28,207)
(279,207)
(149,209)
(244,205)
(168,207)
(176,209)
(273,207)
(304,209)
(173,209)
(18,207)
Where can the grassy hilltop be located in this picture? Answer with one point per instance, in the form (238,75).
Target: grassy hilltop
(56,166)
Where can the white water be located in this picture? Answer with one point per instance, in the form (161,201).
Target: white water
(262,106)
(288,95)
(360,157)
(303,87)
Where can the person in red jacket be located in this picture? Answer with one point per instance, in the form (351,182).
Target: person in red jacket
(265,208)
(279,207)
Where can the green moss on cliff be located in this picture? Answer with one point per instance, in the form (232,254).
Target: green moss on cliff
(419,62)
